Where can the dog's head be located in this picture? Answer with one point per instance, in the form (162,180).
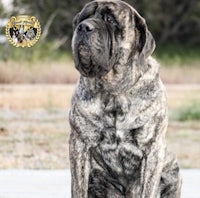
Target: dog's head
(109,33)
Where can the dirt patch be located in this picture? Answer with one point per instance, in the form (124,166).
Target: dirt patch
(183,139)
(34,139)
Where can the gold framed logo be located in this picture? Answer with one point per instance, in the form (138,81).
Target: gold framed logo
(23,30)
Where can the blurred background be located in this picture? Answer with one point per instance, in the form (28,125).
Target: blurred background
(36,83)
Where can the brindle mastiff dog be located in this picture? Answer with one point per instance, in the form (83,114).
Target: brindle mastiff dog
(118,116)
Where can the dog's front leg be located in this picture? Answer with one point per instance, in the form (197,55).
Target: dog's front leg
(152,166)
(80,166)
(85,133)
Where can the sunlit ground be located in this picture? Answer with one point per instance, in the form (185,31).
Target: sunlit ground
(34,127)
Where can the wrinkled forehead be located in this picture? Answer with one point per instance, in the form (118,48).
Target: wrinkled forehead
(119,9)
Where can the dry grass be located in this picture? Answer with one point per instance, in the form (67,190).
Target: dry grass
(34,126)
(181,74)
(63,71)
(182,94)
(39,72)
(47,97)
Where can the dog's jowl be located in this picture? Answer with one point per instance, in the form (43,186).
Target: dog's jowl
(118,115)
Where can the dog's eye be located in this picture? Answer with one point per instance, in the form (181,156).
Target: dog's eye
(110,20)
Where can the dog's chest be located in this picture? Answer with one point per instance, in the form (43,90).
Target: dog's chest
(120,152)
(118,148)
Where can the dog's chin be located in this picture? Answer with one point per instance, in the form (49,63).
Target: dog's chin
(86,65)
(91,71)
(84,54)
(85,70)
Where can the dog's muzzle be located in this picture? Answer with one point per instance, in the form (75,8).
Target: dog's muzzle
(85,28)
(82,43)
(91,50)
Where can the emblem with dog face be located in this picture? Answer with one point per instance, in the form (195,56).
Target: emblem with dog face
(23,30)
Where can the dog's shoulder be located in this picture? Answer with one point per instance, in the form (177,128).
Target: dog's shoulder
(153,62)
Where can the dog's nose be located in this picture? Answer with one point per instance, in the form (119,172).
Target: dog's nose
(84,27)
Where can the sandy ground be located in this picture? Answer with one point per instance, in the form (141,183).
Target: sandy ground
(34,128)
(56,184)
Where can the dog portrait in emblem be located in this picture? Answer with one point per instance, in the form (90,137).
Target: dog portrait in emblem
(118,115)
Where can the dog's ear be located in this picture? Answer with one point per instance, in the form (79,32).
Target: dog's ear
(88,10)
(145,41)
(75,21)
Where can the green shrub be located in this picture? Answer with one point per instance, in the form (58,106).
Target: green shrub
(40,51)
(188,113)
(177,55)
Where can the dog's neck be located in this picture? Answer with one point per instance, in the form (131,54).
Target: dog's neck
(119,97)
(122,79)
(121,83)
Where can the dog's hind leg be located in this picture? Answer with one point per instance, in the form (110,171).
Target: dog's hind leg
(170,184)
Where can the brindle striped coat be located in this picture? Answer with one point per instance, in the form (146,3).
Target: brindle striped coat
(118,115)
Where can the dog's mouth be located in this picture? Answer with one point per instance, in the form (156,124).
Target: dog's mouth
(90,54)
(84,62)
(84,53)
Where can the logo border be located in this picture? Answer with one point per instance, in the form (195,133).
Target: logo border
(30,43)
